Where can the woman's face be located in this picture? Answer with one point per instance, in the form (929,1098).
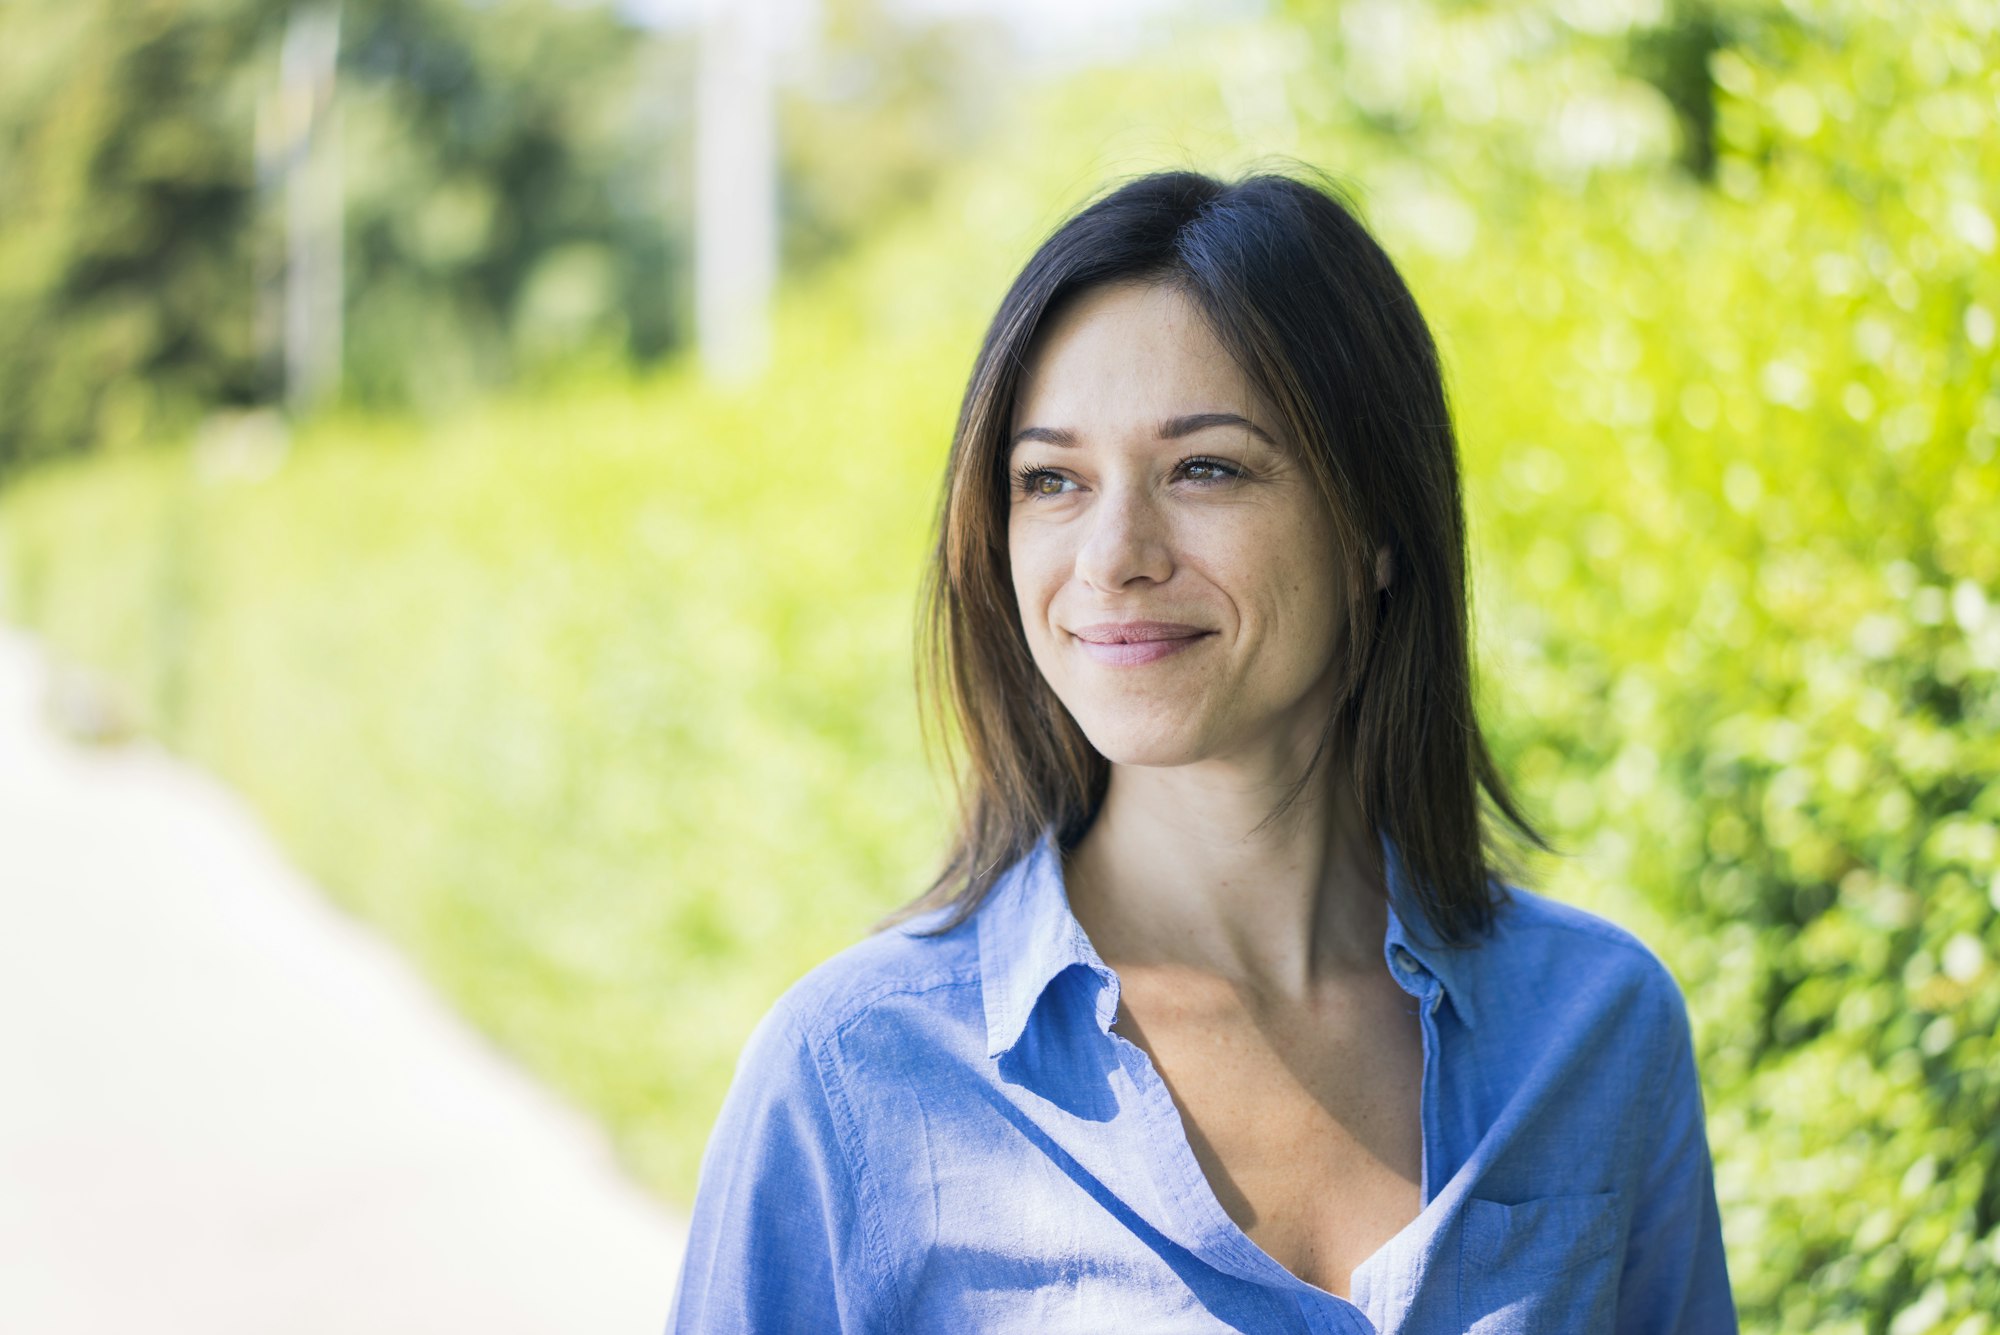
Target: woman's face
(1174,566)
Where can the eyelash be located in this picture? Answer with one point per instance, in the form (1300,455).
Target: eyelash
(1026,476)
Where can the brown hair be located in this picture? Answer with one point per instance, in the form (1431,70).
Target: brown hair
(1314,311)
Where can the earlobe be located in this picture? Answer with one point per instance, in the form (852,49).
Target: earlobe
(1385,567)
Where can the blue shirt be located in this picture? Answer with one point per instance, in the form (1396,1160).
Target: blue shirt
(944,1134)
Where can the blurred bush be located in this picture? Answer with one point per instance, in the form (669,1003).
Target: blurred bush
(598,698)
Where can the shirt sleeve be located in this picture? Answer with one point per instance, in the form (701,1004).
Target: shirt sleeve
(775,1236)
(1676,1280)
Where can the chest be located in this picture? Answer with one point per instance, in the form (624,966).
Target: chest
(1305,1120)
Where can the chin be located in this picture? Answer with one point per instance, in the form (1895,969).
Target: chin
(1152,742)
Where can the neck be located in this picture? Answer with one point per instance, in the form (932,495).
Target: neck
(1174,872)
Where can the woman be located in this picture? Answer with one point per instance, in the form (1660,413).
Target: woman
(1222,1015)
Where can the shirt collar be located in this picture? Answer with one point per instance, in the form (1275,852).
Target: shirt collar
(1028,936)
(1409,929)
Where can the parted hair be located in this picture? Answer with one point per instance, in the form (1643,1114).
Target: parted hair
(1309,304)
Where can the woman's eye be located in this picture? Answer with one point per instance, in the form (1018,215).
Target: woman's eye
(1041,482)
(1037,483)
(1208,470)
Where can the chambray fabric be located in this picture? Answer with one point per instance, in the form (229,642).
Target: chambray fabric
(943,1134)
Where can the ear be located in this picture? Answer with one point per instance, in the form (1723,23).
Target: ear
(1385,567)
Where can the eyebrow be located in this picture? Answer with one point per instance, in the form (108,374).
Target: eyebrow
(1171,429)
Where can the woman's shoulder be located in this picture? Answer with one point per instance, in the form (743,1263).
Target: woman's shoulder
(1539,942)
(814,1093)
(892,970)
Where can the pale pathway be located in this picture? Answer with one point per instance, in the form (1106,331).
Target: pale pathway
(226,1108)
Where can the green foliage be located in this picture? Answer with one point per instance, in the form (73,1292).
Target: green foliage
(506,172)
(595,702)
(599,700)
(122,217)
(1736,502)
(515,179)
(516,195)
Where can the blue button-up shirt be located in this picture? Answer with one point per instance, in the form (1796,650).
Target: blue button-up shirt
(943,1133)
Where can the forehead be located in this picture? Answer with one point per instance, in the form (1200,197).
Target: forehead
(1128,352)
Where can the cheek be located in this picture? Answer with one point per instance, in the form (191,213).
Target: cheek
(1036,569)
(1286,578)
(1018,573)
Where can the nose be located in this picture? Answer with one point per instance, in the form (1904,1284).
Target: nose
(1127,541)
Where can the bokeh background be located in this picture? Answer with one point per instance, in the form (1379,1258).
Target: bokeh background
(500,438)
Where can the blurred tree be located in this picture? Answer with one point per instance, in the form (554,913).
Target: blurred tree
(881,109)
(1673,57)
(511,171)
(124,216)
(516,178)
(514,196)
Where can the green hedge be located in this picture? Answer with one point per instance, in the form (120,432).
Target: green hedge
(600,701)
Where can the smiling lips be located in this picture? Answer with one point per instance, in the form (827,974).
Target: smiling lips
(1129,643)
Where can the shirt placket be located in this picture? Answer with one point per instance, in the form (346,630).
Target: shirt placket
(1414,979)
(1401,1263)
(1393,1284)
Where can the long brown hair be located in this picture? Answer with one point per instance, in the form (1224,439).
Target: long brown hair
(1313,310)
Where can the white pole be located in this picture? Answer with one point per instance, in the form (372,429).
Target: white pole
(313,208)
(736,189)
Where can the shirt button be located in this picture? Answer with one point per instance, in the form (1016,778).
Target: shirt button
(1405,960)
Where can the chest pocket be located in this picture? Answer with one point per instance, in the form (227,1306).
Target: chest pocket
(1549,1264)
